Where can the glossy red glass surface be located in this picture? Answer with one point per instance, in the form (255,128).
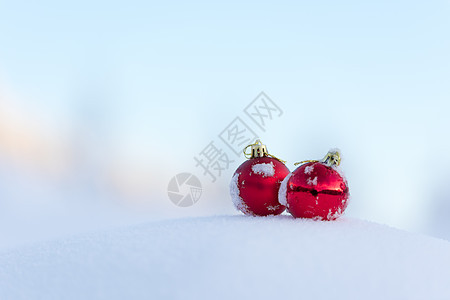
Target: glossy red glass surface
(258,192)
(316,191)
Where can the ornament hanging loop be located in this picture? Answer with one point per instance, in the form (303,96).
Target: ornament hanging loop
(305,161)
(273,156)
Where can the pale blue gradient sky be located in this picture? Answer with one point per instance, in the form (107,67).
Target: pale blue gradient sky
(146,78)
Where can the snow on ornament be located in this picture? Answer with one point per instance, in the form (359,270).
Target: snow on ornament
(254,186)
(316,189)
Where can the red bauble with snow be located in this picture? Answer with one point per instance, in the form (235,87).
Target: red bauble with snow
(255,184)
(316,190)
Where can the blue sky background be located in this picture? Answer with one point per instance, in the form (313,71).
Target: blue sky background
(120,96)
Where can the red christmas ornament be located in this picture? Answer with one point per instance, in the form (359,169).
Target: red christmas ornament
(316,189)
(255,184)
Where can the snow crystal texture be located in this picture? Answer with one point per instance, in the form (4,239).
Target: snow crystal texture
(266,170)
(283,190)
(311,181)
(309,169)
(235,194)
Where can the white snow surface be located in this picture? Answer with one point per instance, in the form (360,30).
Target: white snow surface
(232,257)
(266,170)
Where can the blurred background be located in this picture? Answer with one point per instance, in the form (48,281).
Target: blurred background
(103,102)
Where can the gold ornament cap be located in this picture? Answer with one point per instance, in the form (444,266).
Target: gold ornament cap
(331,159)
(257,149)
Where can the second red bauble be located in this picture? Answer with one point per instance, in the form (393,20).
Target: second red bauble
(315,190)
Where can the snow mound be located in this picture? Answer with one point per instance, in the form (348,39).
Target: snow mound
(266,170)
(233,257)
